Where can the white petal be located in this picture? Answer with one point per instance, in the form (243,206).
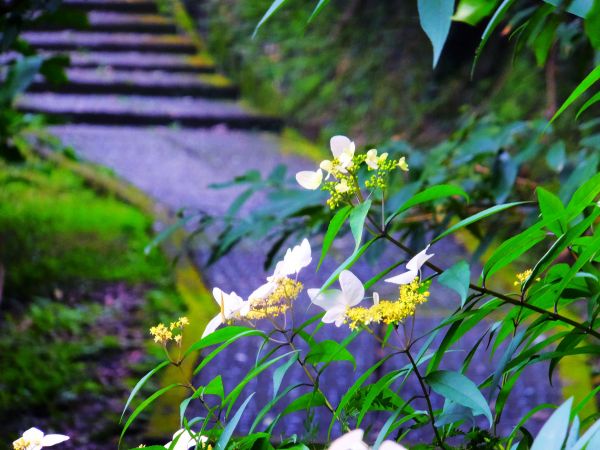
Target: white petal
(353,440)
(33,435)
(309,180)
(213,325)
(335,314)
(340,144)
(391,445)
(219,296)
(324,299)
(403,278)
(376,298)
(352,289)
(262,291)
(233,304)
(53,439)
(418,260)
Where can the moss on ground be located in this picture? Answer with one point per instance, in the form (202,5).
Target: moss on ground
(57,231)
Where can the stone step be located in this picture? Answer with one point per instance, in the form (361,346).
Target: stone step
(143,61)
(140,82)
(135,6)
(113,42)
(148,111)
(118,22)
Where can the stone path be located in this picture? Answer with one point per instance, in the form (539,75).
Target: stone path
(142,102)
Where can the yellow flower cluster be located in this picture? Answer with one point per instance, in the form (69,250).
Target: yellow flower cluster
(388,311)
(163,334)
(522,277)
(278,302)
(21,444)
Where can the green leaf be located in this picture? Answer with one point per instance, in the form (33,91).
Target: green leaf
(353,389)
(20,75)
(550,204)
(143,406)
(592,25)
(457,278)
(583,197)
(141,384)
(306,401)
(474,11)
(279,373)
(168,231)
(327,351)
(458,388)
(228,430)
(263,412)
(554,432)
(489,29)
(272,10)
(435,17)
(580,8)
(559,246)
(333,229)
(222,335)
(215,387)
(357,221)
(592,101)
(318,9)
(233,395)
(556,156)
(514,247)
(588,81)
(476,217)
(429,194)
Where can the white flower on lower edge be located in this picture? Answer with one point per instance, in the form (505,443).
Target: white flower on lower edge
(294,260)
(413,266)
(34,439)
(336,302)
(309,179)
(353,440)
(232,306)
(185,440)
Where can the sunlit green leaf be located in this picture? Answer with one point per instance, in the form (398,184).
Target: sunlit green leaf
(357,218)
(333,229)
(554,432)
(457,278)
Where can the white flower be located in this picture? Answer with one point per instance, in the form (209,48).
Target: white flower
(402,164)
(372,160)
(352,440)
(294,260)
(342,187)
(327,166)
(376,298)
(391,445)
(336,302)
(34,439)
(343,150)
(232,306)
(413,266)
(309,179)
(186,440)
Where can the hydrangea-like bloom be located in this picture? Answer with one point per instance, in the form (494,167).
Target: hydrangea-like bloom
(35,439)
(337,302)
(232,307)
(413,266)
(184,440)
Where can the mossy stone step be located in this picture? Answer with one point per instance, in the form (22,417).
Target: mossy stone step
(140,82)
(137,6)
(117,22)
(114,42)
(133,60)
(146,111)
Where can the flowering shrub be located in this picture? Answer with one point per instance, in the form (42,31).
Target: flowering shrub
(551,315)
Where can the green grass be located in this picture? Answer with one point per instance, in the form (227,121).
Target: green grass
(58,231)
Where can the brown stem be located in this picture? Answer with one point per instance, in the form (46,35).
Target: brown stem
(483,290)
(438,438)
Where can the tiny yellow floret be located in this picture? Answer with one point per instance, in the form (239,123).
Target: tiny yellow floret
(402,164)
(21,444)
(522,277)
(161,334)
(278,301)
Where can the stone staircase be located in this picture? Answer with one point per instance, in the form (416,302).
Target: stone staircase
(131,66)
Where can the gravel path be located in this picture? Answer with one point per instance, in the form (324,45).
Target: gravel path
(176,166)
